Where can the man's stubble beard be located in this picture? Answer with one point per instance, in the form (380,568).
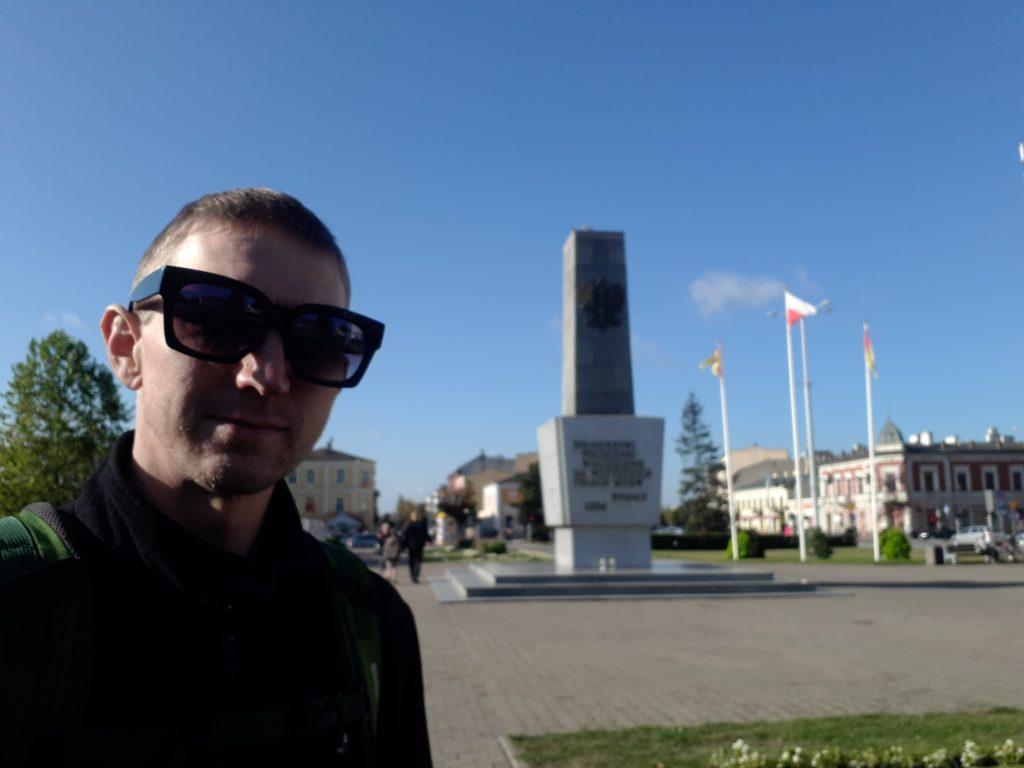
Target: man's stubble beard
(240,469)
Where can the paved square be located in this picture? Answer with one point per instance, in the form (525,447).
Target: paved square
(501,668)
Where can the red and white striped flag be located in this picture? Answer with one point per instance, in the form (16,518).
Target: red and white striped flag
(798,309)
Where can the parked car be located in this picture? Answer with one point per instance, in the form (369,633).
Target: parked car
(360,541)
(668,530)
(978,534)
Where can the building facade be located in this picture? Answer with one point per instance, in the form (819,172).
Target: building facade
(329,482)
(500,508)
(926,485)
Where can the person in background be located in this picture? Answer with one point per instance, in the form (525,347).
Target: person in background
(415,539)
(390,549)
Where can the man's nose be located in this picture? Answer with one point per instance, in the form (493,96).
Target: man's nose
(265,368)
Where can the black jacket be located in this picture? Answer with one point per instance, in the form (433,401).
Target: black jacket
(414,536)
(188,635)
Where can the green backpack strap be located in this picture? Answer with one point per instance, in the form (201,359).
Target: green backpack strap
(29,540)
(354,583)
(46,653)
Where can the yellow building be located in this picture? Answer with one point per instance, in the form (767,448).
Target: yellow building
(329,482)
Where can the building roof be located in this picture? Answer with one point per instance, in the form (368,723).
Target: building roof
(329,454)
(484,462)
(774,482)
(889,434)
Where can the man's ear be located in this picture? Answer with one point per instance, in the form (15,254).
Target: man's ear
(122,336)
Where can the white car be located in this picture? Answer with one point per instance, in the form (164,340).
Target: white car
(976,534)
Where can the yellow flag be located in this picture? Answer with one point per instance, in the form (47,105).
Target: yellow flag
(869,353)
(714,363)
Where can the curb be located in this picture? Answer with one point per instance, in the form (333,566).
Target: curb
(510,752)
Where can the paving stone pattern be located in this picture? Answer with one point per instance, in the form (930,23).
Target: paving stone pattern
(537,667)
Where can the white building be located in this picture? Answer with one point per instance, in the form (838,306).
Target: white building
(500,505)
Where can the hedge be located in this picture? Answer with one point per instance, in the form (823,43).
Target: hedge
(720,540)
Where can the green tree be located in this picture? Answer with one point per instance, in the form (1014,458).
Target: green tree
(404,509)
(61,413)
(701,505)
(457,504)
(531,501)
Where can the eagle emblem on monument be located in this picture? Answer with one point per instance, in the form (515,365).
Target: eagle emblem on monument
(602,303)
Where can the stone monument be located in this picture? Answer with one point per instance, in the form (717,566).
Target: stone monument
(600,464)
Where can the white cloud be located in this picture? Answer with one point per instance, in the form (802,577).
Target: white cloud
(717,292)
(62,318)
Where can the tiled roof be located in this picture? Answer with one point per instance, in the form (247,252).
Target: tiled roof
(329,454)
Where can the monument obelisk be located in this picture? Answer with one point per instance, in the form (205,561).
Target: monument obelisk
(600,464)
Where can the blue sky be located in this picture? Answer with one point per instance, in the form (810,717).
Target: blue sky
(861,152)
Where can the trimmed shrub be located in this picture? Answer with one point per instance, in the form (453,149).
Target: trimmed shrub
(894,545)
(720,540)
(464,544)
(748,543)
(689,541)
(493,547)
(820,545)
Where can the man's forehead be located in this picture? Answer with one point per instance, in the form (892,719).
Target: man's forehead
(281,266)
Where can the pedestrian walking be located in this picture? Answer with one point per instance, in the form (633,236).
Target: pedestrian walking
(415,539)
(391,547)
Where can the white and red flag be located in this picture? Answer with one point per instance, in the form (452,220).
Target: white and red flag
(798,309)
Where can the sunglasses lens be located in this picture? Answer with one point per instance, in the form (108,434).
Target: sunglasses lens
(327,346)
(215,320)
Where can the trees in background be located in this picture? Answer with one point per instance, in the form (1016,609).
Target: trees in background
(702,506)
(457,504)
(60,416)
(531,501)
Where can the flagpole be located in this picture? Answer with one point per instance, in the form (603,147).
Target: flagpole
(796,445)
(728,461)
(871,453)
(809,419)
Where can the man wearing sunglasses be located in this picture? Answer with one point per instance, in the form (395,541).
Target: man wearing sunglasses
(204,626)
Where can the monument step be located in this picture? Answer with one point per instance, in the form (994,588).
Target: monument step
(470,584)
(655,588)
(512,576)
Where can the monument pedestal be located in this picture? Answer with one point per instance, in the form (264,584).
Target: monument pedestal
(601,484)
(621,546)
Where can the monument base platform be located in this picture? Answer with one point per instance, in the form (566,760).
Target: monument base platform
(480,582)
(620,546)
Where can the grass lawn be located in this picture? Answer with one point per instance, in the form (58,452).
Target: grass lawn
(840,556)
(683,747)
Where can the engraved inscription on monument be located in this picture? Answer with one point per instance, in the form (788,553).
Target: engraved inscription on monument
(611,464)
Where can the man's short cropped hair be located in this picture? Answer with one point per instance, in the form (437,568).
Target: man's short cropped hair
(255,206)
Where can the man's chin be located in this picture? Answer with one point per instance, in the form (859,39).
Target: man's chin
(237,478)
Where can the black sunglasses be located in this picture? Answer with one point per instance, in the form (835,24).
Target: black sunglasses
(215,318)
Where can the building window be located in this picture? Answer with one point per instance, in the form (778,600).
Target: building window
(928,480)
(310,504)
(1017,480)
(366,479)
(860,484)
(311,476)
(989,479)
(889,481)
(293,476)
(339,505)
(341,477)
(963,480)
